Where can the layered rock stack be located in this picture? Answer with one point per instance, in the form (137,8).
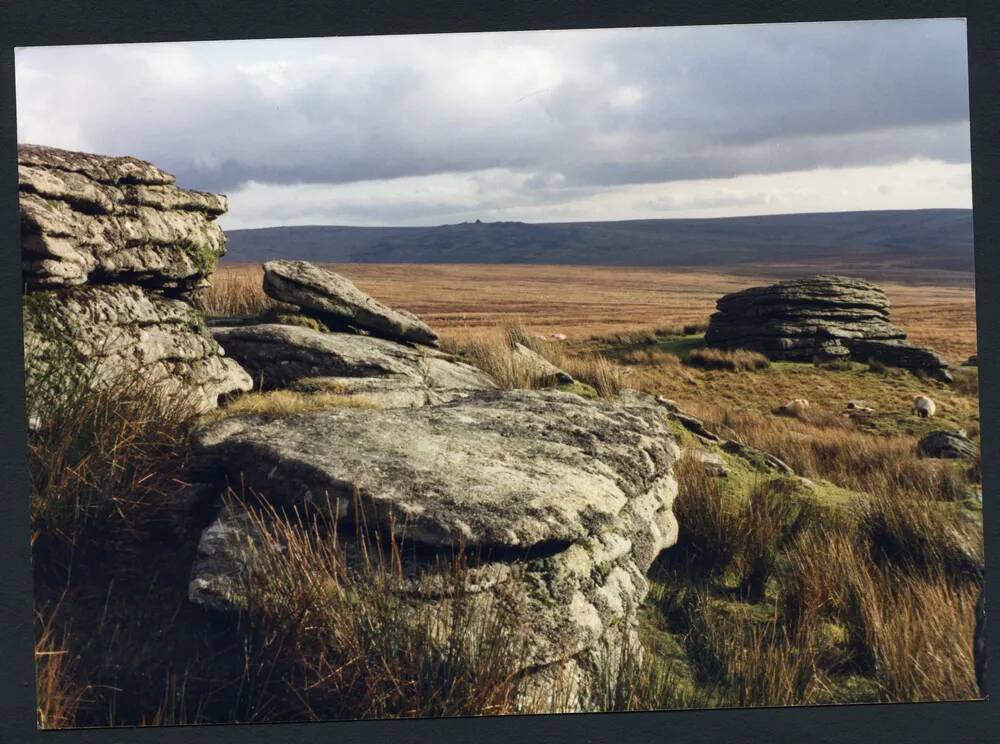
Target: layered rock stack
(564,502)
(822,316)
(346,342)
(113,252)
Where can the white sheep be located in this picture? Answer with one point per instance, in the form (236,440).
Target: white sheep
(793,407)
(923,406)
(558,336)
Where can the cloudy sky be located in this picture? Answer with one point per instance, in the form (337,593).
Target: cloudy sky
(535,126)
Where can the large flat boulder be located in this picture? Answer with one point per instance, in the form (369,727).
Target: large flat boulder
(504,468)
(564,502)
(334,300)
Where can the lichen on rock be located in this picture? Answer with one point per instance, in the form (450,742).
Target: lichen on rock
(569,499)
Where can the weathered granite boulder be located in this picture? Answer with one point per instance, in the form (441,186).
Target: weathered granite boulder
(339,304)
(390,373)
(112,250)
(103,219)
(569,499)
(946,445)
(822,316)
(107,331)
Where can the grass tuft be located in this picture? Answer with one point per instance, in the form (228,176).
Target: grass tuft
(275,404)
(735,360)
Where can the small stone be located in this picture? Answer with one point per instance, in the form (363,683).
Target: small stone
(711,462)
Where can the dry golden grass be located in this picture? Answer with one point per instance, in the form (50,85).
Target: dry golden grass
(709,529)
(104,458)
(341,637)
(492,351)
(236,290)
(822,444)
(277,403)
(918,631)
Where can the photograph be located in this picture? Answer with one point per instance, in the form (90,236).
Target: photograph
(501,373)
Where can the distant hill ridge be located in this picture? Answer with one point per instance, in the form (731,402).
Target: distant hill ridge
(906,239)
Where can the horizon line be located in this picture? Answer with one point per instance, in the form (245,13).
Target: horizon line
(613,221)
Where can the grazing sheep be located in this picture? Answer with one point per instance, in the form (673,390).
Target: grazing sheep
(558,336)
(923,406)
(793,407)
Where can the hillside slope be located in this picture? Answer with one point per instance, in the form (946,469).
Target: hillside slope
(912,239)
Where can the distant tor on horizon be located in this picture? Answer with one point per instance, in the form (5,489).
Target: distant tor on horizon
(896,240)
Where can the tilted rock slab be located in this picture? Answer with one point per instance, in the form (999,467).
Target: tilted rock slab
(826,316)
(334,300)
(388,373)
(573,498)
(90,217)
(119,328)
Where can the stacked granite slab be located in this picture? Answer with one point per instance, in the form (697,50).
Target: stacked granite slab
(350,344)
(821,316)
(113,255)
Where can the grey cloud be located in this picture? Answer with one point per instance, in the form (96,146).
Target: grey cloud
(711,102)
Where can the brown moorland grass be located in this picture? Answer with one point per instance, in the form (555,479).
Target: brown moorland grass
(492,351)
(838,452)
(582,301)
(274,404)
(105,458)
(58,690)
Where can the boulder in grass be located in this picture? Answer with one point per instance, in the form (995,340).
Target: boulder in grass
(950,445)
(825,316)
(564,502)
(538,367)
(710,462)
